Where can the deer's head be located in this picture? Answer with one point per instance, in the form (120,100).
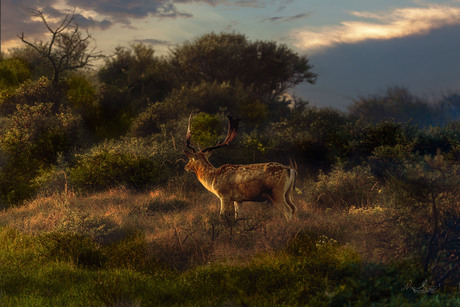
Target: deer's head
(199,159)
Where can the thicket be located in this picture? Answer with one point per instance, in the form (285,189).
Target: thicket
(124,124)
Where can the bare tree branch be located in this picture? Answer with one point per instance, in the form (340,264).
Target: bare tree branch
(67,48)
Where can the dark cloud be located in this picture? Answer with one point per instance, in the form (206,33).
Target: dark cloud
(426,64)
(90,22)
(155,42)
(240,3)
(18,17)
(298,16)
(123,10)
(287,18)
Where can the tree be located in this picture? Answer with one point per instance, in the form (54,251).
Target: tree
(265,68)
(135,73)
(396,103)
(68,49)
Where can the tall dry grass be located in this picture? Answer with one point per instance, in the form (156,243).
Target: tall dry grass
(182,227)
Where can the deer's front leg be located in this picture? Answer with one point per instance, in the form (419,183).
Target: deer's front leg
(236,205)
(224,206)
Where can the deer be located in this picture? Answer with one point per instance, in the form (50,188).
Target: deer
(231,183)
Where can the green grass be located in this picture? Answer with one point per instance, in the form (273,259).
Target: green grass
(311,270)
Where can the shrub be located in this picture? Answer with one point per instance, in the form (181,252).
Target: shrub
(33,139)
(341,189)
(12,73)
(212,98)
(36,134)
(84,100)
(315,138)
(426,196)
(130,162)
(33,92)
(366,138)
(74,248)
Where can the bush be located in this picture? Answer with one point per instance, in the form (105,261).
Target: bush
(12,73)
(71,247)
(426,196)
(130,162)
(341,189)
(84,100)
(33,92)
(33,139)
(212,98)
(315,138)
(366,138)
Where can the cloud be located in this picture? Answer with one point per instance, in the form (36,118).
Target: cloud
(240,3)
(397,23)
(90,22)
(122,11)
(287,18)
(153,41)
(423,64)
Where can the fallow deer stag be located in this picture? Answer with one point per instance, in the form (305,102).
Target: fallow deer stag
(238,183)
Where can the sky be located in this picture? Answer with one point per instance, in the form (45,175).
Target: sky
(357,47)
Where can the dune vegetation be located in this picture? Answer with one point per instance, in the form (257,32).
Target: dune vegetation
(98,210)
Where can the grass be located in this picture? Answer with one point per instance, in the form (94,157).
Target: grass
(168,247)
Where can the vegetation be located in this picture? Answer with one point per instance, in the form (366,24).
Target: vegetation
(97,209)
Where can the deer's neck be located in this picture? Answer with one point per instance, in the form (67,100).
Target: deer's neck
(205,173)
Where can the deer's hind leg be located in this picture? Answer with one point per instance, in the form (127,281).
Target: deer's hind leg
(290,194)
(279,201)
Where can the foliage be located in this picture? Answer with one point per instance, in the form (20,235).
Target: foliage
(137,73)
(64,268)
(130,162)
(340,189)
(36,134)
(84,99)
(38,68)
(365,138)
(210,98)
(13,72)
(265,68)
(32,140)
(206,129)
(427,196)
(398,104)
(33,92)
(315,138)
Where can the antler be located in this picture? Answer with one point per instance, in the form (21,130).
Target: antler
(231,133)
(188,136)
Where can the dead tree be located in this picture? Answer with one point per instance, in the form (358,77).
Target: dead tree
(68,48)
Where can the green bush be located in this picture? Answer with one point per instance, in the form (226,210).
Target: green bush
(342,189)
(212,98)
(12,73)
(130,162)
(33,92)
(426,197)
(315,138)
(33,139)
(73,248)
(366,138)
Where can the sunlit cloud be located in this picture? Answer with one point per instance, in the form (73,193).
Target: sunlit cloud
(397,23)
